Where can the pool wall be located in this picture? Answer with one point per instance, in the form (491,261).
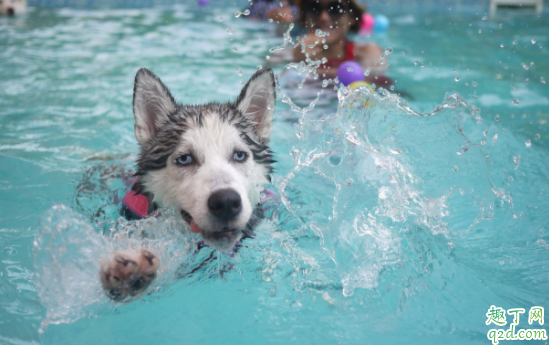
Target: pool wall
(375,5)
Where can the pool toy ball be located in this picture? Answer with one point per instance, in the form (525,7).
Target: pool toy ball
(379,23)
(350,72)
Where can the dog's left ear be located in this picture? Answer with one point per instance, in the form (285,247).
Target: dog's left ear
(257,102)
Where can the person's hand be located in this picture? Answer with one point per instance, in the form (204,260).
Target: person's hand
(281,15)
(314,45)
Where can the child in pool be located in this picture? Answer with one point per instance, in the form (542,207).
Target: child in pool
(337,18)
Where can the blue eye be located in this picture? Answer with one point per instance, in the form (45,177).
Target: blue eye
(240,156)
(184,160)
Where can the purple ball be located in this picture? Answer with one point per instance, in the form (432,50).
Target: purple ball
(349,72)
(203,2)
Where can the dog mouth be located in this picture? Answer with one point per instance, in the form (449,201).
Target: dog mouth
(223,234)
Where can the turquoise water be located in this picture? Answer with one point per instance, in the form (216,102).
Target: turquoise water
(399,220)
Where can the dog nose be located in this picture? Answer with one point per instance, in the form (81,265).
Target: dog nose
(225,204)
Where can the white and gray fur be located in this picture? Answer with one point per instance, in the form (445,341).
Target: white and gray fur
(213,137)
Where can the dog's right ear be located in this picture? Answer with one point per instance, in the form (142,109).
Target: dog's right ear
(152,104)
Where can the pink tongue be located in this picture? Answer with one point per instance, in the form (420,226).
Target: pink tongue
(194,227)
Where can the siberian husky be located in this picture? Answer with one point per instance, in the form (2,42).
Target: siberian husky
(13,7)
(204,161)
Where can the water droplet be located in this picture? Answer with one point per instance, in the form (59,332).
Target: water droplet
(485,18)
(502,45)
(513,86)
(515,101)
(457,79)
(324,83)
(496,117)
(455,168)
(421,65)
(533,41)
(392,88)
(230,31)
(494,138)
(246,12)
(320,33)
(500,25)
(268,57)
(367,71)
(524,66)
(237,14)
(235,49)
(403,53)
(516,159)
(528,143)
(416,62)
(335,160)
(537,136)
(349,181)
(515,42)
(474,84)
(349,69)
(239,71)
(388,51)
(325,47)
(479,31)
(542,80)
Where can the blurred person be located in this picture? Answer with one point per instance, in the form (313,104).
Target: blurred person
(337,19)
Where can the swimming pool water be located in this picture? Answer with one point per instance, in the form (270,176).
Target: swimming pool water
(399,220)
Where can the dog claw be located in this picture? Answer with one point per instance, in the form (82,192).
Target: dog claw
(129,273)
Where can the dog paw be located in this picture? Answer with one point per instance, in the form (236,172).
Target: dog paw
(128,273)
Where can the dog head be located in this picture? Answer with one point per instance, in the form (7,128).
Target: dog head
(13,7)
(208,162)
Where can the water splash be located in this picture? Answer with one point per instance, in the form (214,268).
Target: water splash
(381,170)
(68,252)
